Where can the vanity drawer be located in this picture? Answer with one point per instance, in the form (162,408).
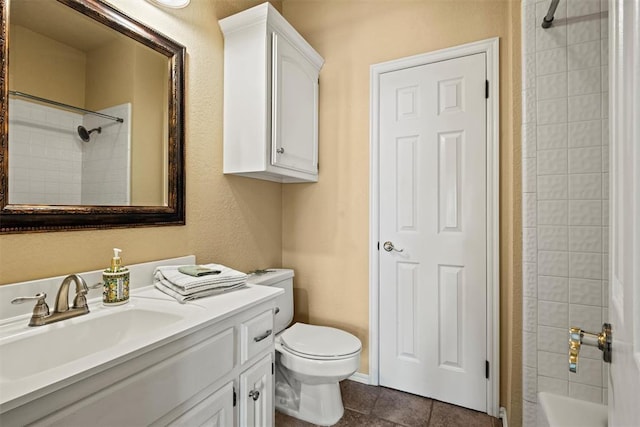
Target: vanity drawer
(256,335)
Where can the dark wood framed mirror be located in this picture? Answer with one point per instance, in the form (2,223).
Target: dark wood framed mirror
(150,174)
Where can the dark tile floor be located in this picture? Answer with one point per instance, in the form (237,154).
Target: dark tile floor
(372,406)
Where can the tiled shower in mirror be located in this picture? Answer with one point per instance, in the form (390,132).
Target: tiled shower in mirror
(51,164)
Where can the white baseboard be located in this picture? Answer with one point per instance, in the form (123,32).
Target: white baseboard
(503,416)
(360,378)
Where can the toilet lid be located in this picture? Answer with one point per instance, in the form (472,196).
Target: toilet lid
(319,341)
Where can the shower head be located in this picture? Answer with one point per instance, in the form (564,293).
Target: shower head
(85,134)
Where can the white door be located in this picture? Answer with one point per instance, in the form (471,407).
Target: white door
(256,395)
(624,280)
(433,285)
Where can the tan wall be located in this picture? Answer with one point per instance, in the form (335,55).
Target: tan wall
(110,76)
(325,225)
(236,221)
(30,53)
(148,174)
(125,71)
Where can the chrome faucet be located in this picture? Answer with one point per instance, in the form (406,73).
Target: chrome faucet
(61,311)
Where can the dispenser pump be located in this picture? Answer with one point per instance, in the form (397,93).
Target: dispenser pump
(116,262)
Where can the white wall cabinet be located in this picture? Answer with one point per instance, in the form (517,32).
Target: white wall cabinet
(270,98)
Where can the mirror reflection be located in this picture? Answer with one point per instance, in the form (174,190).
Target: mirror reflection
(88,112)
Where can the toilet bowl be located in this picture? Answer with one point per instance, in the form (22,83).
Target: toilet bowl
(311,360)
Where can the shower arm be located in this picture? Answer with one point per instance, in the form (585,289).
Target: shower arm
(548,19)
(60,104)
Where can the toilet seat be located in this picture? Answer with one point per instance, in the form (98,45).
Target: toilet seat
(319,342)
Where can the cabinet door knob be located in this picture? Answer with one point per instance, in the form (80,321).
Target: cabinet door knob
(254,394)
(280,150)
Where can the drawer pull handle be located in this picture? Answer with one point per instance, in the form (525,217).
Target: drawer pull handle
(263,336)
(254,394)
(277,310)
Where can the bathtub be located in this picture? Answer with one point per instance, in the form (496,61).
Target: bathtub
(562,411)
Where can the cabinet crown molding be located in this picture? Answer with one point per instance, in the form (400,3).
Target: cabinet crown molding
(265,14)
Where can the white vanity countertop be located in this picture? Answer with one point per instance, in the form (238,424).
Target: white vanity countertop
(17,389)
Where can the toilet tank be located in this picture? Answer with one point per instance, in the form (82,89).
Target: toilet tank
(281,278)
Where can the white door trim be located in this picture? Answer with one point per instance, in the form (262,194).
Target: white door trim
(624,208)
(490,48)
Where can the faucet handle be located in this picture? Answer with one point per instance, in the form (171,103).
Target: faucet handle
(578,337)
(80,301)
(96,285)
(575,341)
(40,297)
(40,310)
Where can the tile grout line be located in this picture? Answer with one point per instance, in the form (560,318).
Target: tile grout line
(430,413)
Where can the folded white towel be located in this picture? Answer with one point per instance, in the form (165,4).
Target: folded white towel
(198,289)
(227,276)
(195,295)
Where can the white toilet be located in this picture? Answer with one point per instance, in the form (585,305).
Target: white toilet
(310,360)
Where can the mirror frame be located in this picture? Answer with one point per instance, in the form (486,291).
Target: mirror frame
(19,218)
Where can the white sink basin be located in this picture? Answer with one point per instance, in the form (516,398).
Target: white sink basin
(34,359)
(45,347)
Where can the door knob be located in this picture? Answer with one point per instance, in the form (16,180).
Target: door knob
(280,150)
(388,246)
(254,394)
(577,337)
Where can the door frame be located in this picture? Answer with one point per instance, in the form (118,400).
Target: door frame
(490,47)
(624,131)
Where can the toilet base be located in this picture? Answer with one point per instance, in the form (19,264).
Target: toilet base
(319,404)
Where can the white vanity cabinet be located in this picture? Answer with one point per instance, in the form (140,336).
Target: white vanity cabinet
(218,373)
(253,394)
(270,98)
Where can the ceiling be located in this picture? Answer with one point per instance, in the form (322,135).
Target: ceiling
(61,23)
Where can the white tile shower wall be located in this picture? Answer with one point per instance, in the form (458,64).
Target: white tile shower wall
(107,158)
(50,164)
(565,192)
(45,154)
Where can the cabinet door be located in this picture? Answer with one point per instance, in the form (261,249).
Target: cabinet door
(214,411)
(294,110)
(256,394)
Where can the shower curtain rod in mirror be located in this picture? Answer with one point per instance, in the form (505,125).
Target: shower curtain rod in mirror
(60,104)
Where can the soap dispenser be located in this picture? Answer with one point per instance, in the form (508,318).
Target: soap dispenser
(116,281)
